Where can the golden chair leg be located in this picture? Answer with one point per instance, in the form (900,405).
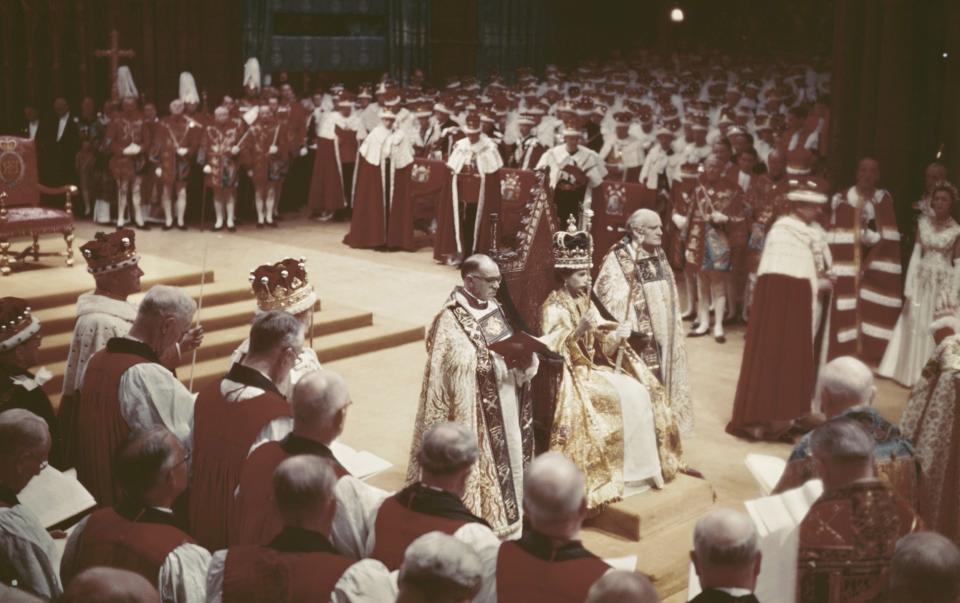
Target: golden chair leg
(68,237)
(4,258)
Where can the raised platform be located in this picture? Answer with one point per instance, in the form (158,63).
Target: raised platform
(228,307)
(47,286)
(657,527)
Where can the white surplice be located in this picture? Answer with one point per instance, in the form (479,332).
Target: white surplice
(151,396)
(27,548)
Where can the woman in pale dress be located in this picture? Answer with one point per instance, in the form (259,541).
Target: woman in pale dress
(934,272)
(604,419)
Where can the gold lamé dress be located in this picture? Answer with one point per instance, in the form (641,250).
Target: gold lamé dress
(588,423)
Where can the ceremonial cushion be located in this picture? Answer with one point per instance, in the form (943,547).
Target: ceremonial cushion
(23,221)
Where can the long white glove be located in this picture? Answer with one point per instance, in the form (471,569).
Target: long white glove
(182,151)
(158,172)
(273,150)
(132,149)
(679,221)
(719,218)
(235,150)
(207,169)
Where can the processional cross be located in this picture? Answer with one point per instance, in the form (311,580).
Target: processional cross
(114,53)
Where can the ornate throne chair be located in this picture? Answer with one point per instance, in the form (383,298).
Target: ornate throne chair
(20,213)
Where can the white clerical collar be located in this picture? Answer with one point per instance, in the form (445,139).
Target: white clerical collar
(734,592)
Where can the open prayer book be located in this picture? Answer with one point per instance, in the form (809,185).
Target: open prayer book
(777,519)
(766,469)
(56,498)
(627,563)
(361,464)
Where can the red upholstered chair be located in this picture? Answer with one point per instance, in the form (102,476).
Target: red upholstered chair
(20,213)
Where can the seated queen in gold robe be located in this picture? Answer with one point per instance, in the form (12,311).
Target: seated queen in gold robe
(606,420)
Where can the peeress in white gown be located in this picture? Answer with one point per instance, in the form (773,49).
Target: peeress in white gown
(934,274)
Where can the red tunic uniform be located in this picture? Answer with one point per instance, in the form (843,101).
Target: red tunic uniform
(115,539)
(297,566)
(268,169)
(219,139)
(411,513)
(223,432)
(258,519)
(563,575)
(98,429)
(123,131)
(176,132)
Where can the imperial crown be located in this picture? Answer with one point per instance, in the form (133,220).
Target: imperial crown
(572,248)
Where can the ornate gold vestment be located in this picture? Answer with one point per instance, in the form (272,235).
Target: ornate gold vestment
(587,425)
(643,293)
(460,383)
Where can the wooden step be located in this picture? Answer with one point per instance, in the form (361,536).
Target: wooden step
(647,513)
(223,340)
(664,557)
(344,344)
(381,335)
(60,319)
(68,295)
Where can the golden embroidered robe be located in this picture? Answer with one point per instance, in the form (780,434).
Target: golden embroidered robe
(644,293)
(611,438)
(465,382)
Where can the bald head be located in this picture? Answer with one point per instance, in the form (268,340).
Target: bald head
(925,567)
(320,400)
(109,585)
(144,463)
(21,431)
(842,451)
(24,447)
(303,490)
(477,262)
(845,382)
(643,217)
(842,441)
(447,448)
(725,550)
(438,568)
(554,495)
(623,587)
